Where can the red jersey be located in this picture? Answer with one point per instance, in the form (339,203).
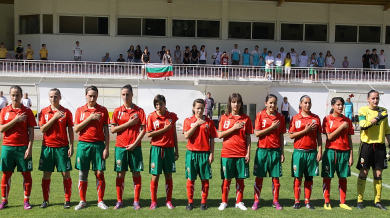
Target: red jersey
(56,135)
(309,140)
(129,135)
(17,135)
(156,122)
(234,145)
(330,124)
(264,121)
(93,132)
(200,139)
(225,60)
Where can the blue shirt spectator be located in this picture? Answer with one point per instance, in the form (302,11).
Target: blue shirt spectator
(106,58)
(320,60)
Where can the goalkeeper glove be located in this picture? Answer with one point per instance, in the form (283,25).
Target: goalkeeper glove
(382,114)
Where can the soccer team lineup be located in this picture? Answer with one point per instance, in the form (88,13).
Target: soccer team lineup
(309,158)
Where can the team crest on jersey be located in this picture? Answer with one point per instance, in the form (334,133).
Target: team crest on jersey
(78,160)
(362,160)
(170,120)
(40,161)
(224,169)
(135,115)
(295,167)
(313,121)
(188,169)
(152,165)
(207,126)
(118,162)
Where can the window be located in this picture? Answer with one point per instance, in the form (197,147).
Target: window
(29,24)
(183,28)
(263,30)
(316,32)
(346,33)
(292,32)
(129,26)
(208,28)
(71,24)
(153,27)
(240,30)
(47,23)
(370,34)
(387,35)
(96,25)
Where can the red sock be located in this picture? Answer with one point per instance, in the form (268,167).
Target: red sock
(275,189)
(137,187)
(205,191)
(27,184)
(239,190)
(343,190)
(83,190)
(297,189)
(190,191)
(153,191)
(46,189)
(308,187)
(258,185)
(100,186)
(67,188)
(225,190)
(168,189)
(120,185)
(326,189)
(5,184)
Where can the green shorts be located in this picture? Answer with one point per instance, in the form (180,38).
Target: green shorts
(54,157)
(304,162)
(88,152)
(197,163)
(13,156)
(161,159)
(312,71)
(125,159)
(335,160)
(267,160)
(234,168)
(278,69)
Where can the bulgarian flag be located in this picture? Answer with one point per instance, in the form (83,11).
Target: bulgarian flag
(159,70)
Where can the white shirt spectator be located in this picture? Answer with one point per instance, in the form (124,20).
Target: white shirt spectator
(269,61)
(279,62)
(282,55)
(202,55)
(293,58)
(382,59)
(313,63)
(26,102)
(77,51)
(217,55)
(3,102)
(303,61)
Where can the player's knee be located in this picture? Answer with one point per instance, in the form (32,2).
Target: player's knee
(83,175)
(308,179)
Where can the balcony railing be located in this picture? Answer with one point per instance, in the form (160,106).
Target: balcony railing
(123,70)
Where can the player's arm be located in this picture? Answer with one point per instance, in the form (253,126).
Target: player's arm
(281,138)
(190,132)
(18,118)
(211,156)
(175,142)
(167,127)
(309,127)
(71,141)
(138,140)
(319,143)
(47,125)
(335,133)
(274,125)
(248,147)
(117,128)
(237,126)
(28,152)
(107,142)
(82,125)
(351,150)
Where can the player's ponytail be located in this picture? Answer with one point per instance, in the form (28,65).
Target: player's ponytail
(198,101)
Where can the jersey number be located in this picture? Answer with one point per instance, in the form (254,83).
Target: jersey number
(264,121)
(156,124)
(6,116)
(47,117)
(82,116)
(226,125)
(331,124)
(298,124)
(120,114)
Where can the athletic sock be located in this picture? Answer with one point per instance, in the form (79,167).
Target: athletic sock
(46,189)
(258,185)
(275,189)
(205,191)
(326,189)
(297,189)
(5,185)
(153,191)
(361,186)
(225,190)
(308,188)
(27,184)
(168,189)
(343,190)
(68,188)
(377,189)
(137,187)
(120,185)
(100,186)
(83,190)
(190,191)
(239,190)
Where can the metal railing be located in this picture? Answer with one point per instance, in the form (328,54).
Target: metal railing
(11,67)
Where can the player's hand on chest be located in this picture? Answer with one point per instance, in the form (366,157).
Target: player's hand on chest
(235,124)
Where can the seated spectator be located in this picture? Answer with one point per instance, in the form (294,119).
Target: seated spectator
(217,56)
(43,53)
(382,60)
(345,62)
(177,54)
(3,51)
(160,53)
(121,59)
(106,58)
(130,54)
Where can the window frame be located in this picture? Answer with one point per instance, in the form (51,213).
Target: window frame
(380,34)
(116,23)
(251,25)
(196,28)
(83,16)
(142,26)
(40,23)
(357,33)
(304,32)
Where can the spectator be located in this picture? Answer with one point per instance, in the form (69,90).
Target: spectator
(285,109)
(374,59)
(235,54)
(26,101)
(208,112)
(161,53)
(366,59)
(246,57)
(3,51)
(130,54)
(294,57)
(329,59)
(137,54)
(225,61)
(106,58)
(313,64)
(382,60)
(282,54)
(287,66)
(43,53)
(217,56)
(222,113)
(77,52)
(263,56)
(19,51)
(202,55)
(121,59)
(320,60)
(279,64)
(29,52)
(269,63)
(145,60)
(177,55)
(186,55)
(167,59)
(345,62)
(303,60)
(256,56)
(194,53)
(348,109)
(3,101)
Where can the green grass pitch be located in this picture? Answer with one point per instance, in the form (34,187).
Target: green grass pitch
(180,197)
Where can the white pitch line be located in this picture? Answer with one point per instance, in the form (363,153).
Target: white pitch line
(352,173)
